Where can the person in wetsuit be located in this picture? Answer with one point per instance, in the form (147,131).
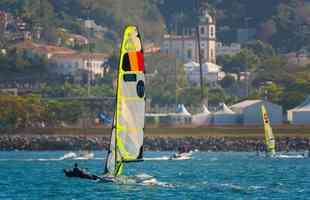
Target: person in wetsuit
(76,170)
(80,173)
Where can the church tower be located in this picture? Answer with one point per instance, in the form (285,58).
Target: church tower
(207,31)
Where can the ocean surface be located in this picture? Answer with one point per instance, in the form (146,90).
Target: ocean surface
(39,176)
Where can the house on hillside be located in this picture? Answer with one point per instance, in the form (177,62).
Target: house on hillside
(211,72)
(65,61)
(80,66)
(298,58)
(77,40)
(232,49)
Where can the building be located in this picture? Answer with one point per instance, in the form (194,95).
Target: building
(80,65)
(301,114)
(150,48)
(91,24)
(232,49)
(185,46)
(3,21)
(202,119)
(225,116)
(250,112)
(66,61)
(298,58)
(211,72)
(77,40)
(182,116)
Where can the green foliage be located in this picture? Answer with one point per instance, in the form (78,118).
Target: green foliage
(163,85)
(22,62)
(31,111)
(61,111)
(246,60)
(228,81)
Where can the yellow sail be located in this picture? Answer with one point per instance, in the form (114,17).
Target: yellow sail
(128,125)
(269,137)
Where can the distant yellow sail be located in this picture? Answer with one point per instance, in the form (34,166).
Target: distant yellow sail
(128,125)
(269,137)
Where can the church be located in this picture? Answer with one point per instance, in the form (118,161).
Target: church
(185,46)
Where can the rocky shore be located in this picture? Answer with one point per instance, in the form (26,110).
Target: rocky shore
(44,142)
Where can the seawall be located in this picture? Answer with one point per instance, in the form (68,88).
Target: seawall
(232,138)
(42,142)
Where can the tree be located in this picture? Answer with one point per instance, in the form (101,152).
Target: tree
(228,81)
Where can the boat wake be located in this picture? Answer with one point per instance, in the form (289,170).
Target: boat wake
(286,156)
(31,159)
(142,180)
(74,156)
(158,158)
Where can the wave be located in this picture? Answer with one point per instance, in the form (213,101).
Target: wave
(30,159)
(290,156)
(142,180)
(75,156)
(157,158)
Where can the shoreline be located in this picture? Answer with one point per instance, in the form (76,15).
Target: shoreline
(288,138)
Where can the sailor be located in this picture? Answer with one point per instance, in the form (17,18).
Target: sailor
(76,170)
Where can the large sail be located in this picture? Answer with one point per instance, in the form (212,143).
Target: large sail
(128,124)
(269,137)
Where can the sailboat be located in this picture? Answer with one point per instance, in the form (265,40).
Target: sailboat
(126,143)
(269,137)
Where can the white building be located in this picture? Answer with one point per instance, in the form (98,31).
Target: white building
(185,47)
(202,119)
(250,112)
(233,49)
(301,114)
(91,24)
(211,72)
(225,116)
(73,64)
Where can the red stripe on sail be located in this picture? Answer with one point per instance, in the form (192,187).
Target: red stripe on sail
(140,61)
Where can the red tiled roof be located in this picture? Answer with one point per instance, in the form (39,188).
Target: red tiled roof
(43,48)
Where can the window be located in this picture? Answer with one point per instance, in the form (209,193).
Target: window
(212,54)
(202,30)
(202,51)
(189,54)
(212,32)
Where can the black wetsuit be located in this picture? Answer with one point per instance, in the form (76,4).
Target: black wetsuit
(78,173)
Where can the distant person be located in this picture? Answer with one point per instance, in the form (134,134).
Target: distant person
(76,170)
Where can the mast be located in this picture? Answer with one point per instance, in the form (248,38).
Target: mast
(199,55)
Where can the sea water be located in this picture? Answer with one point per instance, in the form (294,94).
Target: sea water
(39,176)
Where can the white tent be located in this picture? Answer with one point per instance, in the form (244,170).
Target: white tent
(203,118)
(225,116)
(181,110)
(300,114)
(182,116)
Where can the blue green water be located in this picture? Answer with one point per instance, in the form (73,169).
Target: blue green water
(207,176)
